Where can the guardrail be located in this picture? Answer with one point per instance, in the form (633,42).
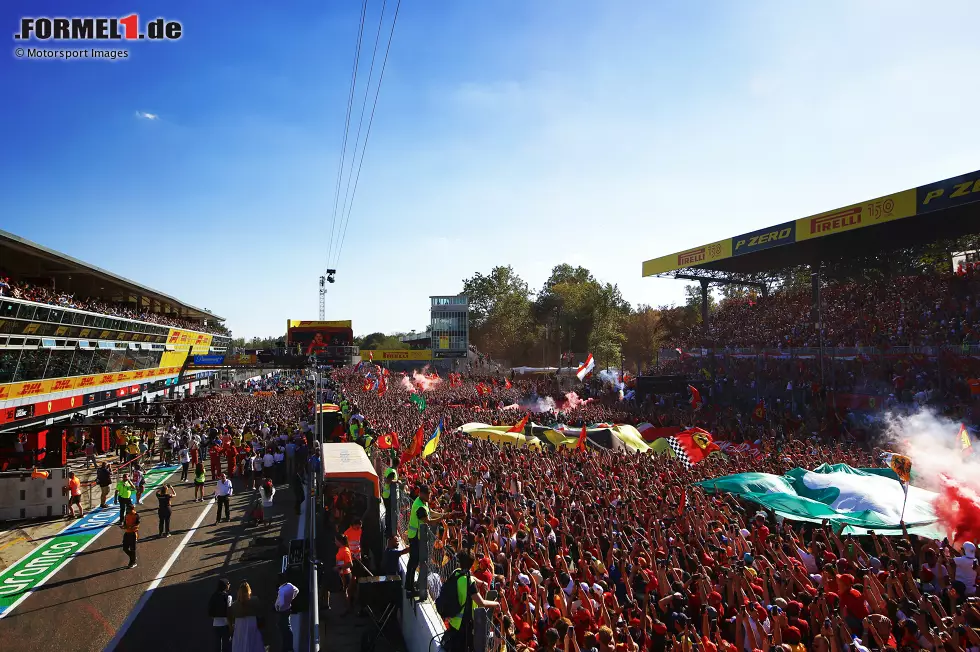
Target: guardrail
(313,616)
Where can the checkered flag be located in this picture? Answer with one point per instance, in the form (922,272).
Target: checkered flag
(679,452)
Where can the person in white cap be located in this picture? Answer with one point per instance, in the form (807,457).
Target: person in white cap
(966,568)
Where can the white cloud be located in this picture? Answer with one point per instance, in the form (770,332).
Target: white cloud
(143,115)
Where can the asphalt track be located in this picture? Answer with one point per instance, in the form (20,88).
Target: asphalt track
(89,604)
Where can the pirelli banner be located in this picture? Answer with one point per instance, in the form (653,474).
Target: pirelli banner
(908,203)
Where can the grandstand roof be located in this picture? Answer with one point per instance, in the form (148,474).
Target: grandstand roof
(944,209)
(29,260)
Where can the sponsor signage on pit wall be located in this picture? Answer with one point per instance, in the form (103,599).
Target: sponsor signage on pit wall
(908,203)
(382,355)
(32,388)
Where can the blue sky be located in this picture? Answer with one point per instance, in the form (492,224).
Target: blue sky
(507,132)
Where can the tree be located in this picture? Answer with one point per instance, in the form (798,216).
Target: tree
(643,336)
(500,320)
(374,341)
(581,315)
(484,292)
(256,342)
(692,299)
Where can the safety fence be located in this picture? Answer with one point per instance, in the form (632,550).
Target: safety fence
(92,493)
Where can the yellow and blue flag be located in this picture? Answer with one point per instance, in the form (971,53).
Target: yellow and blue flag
(432,441)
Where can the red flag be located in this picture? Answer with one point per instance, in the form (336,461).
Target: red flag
(368,386)
(520,425)
(507,384)
(371,356)
(382,386)
(389,440)
(759,413)
(691,446)
(580,444)
(695,397)
(416,448)
(682,502)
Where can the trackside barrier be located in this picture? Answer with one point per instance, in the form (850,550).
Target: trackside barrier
(422,626)
(313,615)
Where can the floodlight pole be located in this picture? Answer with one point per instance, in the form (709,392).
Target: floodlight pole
(323,298)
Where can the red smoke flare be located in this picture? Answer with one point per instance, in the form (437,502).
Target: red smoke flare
(958,509)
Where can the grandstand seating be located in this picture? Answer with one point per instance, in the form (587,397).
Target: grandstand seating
(904,311)
(29,292)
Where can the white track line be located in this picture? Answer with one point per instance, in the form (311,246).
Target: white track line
(156,581)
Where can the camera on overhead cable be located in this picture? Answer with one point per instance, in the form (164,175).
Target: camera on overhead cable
(330,273)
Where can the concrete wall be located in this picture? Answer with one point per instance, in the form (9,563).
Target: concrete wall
(22,496)
(421,623)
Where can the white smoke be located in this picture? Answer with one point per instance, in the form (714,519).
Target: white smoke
(931,442)
(539,405)
(420,381)
(610,376)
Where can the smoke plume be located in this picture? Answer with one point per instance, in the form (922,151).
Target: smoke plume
(939,464)
(610,376)
(421,382)
(539,405)
(573,401)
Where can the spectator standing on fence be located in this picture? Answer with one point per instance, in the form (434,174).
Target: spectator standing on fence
(420,514)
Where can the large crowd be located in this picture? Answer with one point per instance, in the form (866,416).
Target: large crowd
(597,550)
(41,294)
(903,311)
